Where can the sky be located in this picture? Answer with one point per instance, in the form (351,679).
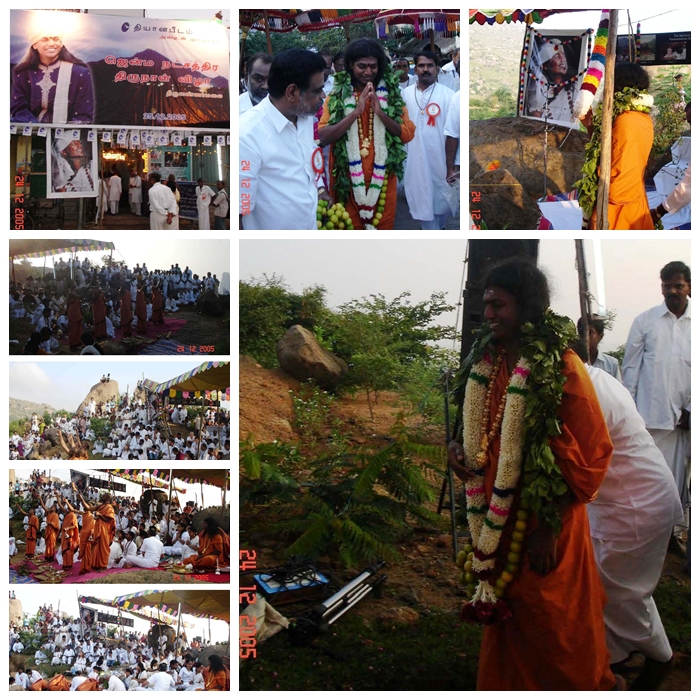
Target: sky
(64,384)
(32,597)
(353,269)
(202,256)
(193,492)
(654,18)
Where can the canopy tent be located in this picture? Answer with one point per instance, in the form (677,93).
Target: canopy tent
(137,476)
(41,247)
(418,23)
(215,477)
(304,21)
(133,609)
(215,604)
(508,16)
(209,376)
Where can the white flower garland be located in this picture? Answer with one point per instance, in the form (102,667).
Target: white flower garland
(486,523)
(367,196)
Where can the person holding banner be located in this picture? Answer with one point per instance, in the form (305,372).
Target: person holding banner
(50,85)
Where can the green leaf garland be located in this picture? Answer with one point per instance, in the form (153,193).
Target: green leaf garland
(338,99)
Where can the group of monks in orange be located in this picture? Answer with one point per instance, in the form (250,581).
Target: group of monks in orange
(94,539)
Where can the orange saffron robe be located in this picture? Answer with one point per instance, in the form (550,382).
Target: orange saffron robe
(125,314)
(157,313)
(102,536)
(32,531)
(89,684)
(75,319)
(408,129)
(70,539)
(209,550)
(215,682)
(53,527)
(59,682)
(556,637)
(86,543)
(632,139)
(99,316)
(141,312)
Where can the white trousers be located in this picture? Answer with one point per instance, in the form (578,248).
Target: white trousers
(675,447)
(135,207)
(114,206)
(204,224)
(437,224)
(142,562)
(629,573)
(158,221)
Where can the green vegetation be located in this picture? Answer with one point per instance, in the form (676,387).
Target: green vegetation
(501,103)
(668,112)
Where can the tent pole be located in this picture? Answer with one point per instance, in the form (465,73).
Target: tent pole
(267,32)
(170,498)
(606,129)
(177,635)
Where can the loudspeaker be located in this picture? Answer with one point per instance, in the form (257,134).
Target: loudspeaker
(482,255)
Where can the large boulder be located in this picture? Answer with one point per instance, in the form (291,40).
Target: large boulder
(518,144)
(218,649)
(102,391)
(16,614)
(301,356)
(214,512)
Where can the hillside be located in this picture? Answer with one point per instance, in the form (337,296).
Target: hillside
(24,409)
(494,56)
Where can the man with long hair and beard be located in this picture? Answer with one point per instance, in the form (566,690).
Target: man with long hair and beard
(366,120)
(50,84)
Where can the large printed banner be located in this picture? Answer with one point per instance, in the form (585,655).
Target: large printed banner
(70,68)
(670,49)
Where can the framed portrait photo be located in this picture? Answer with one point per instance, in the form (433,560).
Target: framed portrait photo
(554,65)
(71,165)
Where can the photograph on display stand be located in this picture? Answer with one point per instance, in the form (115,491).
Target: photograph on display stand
(118,296)
(120,410)
(372,99)
(119,121)
(480,430)
(83,639)
(120,526)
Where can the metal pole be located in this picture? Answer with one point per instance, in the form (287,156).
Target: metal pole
(584,299)
(606,133)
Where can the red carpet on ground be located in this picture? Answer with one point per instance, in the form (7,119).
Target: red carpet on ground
(75,577)
(169,324)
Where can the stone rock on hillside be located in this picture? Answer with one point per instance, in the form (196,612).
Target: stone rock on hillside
(301,356)
(213,512)
(102,391)
(518,144)
(504,201)
(16,614)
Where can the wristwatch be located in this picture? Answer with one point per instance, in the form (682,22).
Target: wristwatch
(661,210)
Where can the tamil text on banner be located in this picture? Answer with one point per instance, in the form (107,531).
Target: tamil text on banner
(70,68)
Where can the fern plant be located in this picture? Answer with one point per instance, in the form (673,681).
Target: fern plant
(356,506)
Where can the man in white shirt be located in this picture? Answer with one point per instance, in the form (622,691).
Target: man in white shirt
(449,73)
(279,162)
(115,683)
(631,521)
(220,207)
(151,552)
(431,200)
(656,371)
(21,678)
(405,79)
(162,204)
(204,196)
(257,69)
(161,679)
(452,135)
(596,331)
(115,193)
(76,682)
(135,193)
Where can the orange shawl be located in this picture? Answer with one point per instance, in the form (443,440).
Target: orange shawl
(71,538)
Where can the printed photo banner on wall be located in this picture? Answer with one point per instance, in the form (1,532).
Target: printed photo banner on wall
(670,49)
(118,70)
(71,164)
(552,68)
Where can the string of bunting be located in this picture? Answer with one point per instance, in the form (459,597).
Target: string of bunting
(212,395)
(133,609)
(123,601)
(160,478)
(418,25)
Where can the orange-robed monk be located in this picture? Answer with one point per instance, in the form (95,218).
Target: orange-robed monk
(88,523)
(367,65)
(70,538)
(102,532)
(216,675)
(53,527)
(214,544)
(31,532)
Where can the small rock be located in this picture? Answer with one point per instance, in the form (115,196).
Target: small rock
(431,573)
(444,541)
(408,595)
(399,616)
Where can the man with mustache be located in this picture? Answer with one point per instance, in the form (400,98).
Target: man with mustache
(656,371)
(428,193)
(257,69)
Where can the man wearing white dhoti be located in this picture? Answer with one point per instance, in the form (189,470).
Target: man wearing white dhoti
(631,521)
(656,370)
(151,552)
(115,193)
(430,198)
(162,204)
(204,194)
(135,193)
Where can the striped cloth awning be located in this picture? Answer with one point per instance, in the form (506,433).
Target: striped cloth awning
(208,376)
(41,247)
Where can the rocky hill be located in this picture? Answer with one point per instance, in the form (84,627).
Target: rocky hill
(19,408)
(102,391)
(494,58)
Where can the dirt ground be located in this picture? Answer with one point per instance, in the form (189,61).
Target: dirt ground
(427,578)
(199,330)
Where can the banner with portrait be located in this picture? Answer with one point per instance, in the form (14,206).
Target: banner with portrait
(72,68)
(87,616)
(71,164)
(553,66)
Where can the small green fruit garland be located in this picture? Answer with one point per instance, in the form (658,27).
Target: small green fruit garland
(526,462)
(339,100)
(628,99)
